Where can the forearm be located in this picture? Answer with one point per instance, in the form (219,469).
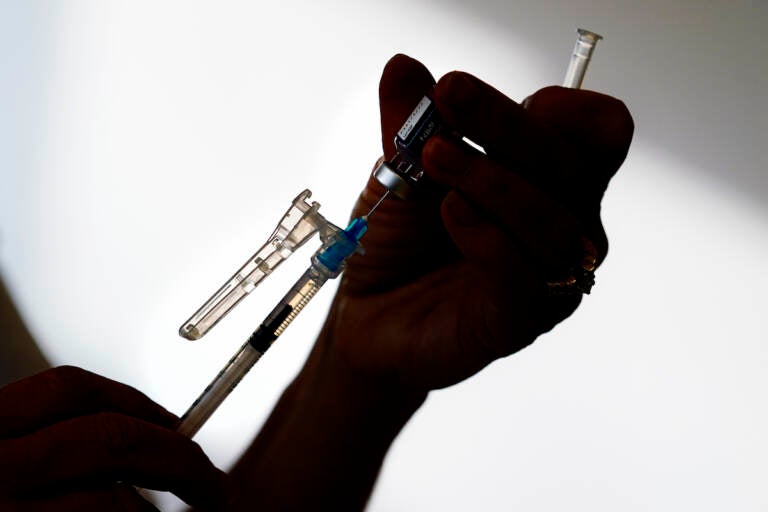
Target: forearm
(325,441)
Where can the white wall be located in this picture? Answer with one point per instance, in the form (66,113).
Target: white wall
(146,149)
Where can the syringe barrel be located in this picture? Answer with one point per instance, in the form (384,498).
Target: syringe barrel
(327,263)
(288,308)
(229,377)
(259,342)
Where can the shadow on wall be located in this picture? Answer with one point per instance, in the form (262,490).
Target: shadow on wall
(21,356)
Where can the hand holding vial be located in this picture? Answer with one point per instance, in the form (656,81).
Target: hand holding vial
(453,277)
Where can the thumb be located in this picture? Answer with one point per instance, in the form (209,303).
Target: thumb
(404,82)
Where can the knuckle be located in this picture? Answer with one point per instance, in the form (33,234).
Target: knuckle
(462,97)
(65,377)
(447,78)
(66,383)
(118,435)
(609,115)
(69,372)
(121,438)
(544,96)
(616,119)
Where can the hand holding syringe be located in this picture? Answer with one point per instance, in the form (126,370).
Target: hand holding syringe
(301,221)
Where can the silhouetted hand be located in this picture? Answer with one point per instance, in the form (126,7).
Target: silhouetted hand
(455,278)
(450,281)
(72,440)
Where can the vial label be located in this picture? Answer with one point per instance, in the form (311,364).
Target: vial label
(413,119)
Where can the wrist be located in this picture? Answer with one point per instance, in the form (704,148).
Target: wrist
(381,405)
(325,441)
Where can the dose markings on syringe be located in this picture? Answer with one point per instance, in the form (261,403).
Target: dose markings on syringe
(297,304)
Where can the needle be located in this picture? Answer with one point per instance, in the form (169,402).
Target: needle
(386,193)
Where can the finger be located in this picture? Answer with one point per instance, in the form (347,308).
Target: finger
(506,131)
(116,498)
(486,246)
(106,448)
(478,238)
(601,124)
(66,392)
(506,273)
(485,115)
(403,83)
(406,239)
(599,130)
(400,231)
(566,141)
(546,231)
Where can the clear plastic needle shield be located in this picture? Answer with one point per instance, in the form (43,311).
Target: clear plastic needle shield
(300,222)
(327,263)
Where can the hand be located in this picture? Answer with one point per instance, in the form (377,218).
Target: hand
(450,280)
(454,279)
(72,440)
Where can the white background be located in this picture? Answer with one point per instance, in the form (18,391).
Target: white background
(147,148)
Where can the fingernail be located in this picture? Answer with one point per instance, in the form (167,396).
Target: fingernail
(461,211)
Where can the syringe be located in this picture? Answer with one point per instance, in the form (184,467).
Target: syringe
(327,263)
